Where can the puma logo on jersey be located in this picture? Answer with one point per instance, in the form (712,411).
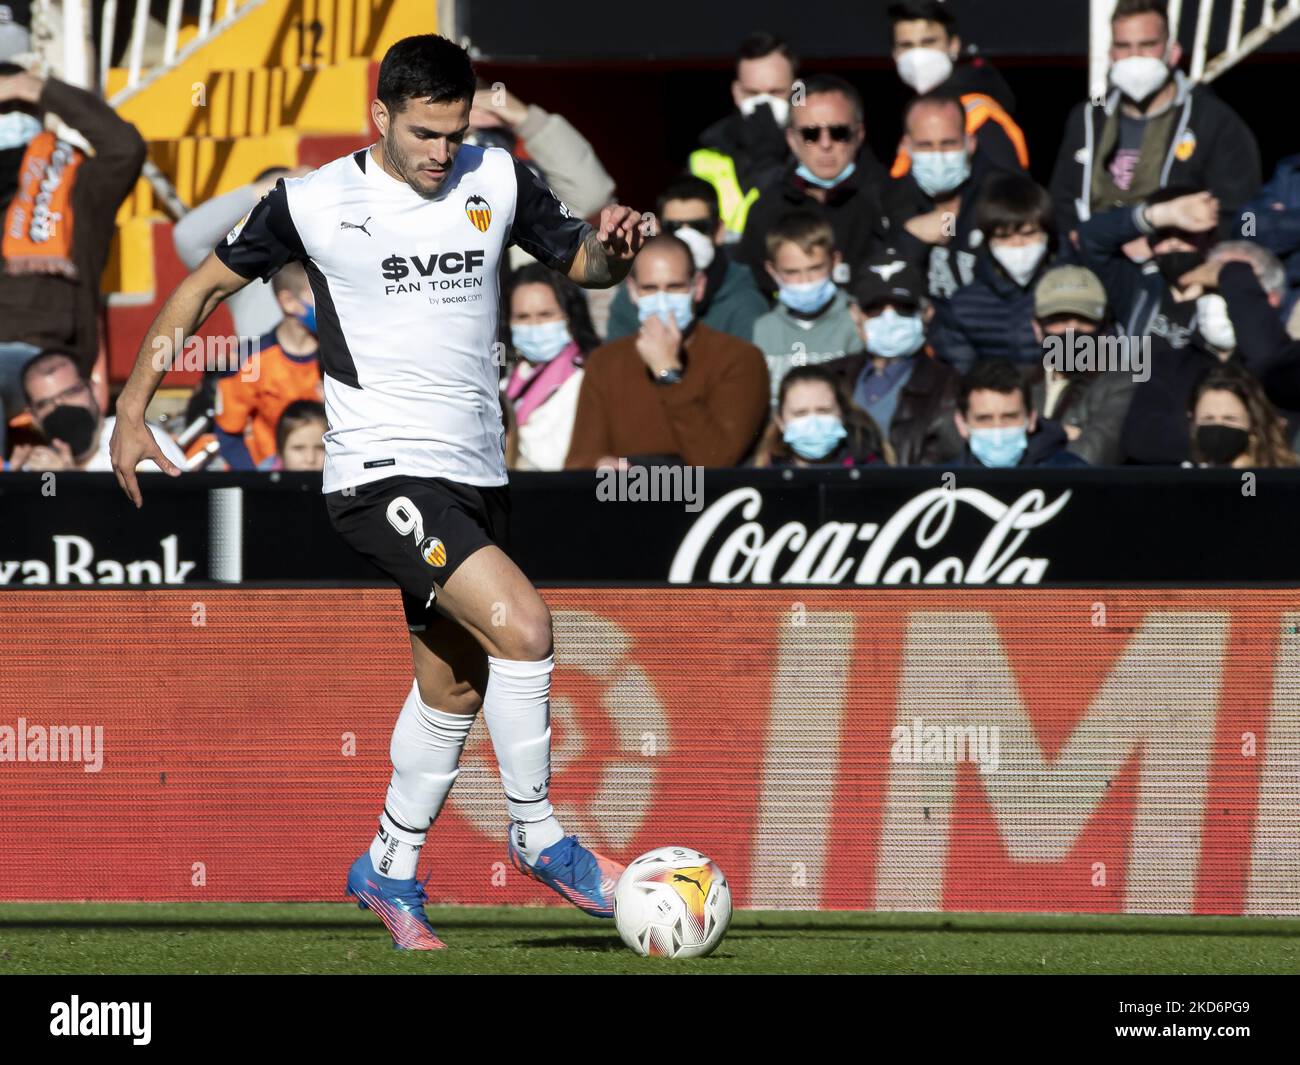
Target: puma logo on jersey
(362,226)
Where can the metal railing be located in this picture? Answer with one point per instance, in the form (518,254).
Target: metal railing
(1211,53)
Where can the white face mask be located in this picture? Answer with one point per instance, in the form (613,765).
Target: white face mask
(924,68)
(702,248)
(780,108)
(1138,76)
(1020,261)
(1213,321)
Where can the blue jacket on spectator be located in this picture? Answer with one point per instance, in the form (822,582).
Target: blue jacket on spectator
(1276,208)
(991,318)
(1047,445)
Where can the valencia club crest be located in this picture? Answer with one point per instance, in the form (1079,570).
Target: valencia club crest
(479,212)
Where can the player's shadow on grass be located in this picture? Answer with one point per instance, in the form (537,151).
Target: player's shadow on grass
(610,943)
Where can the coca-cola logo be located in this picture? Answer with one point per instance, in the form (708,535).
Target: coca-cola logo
(752,553)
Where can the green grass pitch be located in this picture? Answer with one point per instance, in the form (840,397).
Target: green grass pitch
(112,938)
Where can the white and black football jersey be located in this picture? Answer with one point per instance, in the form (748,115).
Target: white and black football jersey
(407,301)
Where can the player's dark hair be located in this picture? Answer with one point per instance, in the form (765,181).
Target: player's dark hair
(690,187)
(994,375)
(822,83)
(1130,8)
(572,301)
(45,361)
(1010,201)
(760,44)
(927,10)
(297,414)
(427,67)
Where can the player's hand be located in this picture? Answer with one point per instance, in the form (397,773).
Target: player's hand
(622,232)
(659,343)
(131,443)
(54,456)
(1195,213)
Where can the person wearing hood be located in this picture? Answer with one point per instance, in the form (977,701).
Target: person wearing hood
(833,172)
(50,275)
(63,408)
(995,416)
(927,53)
(746,151)
(993,316)
(1154,128)
(731,304)
(930,211)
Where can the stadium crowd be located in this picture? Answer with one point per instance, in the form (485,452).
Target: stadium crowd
(802,303)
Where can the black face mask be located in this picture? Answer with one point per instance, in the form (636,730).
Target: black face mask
(1220,444)
(74,425)
(1173,264)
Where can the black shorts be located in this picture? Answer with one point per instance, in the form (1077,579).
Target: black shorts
(418,530)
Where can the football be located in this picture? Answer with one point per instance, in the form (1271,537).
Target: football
(672,903)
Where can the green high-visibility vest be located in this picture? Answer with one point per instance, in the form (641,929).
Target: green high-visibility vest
(719,170)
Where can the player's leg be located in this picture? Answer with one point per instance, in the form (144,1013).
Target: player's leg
(491,598)
(435,720)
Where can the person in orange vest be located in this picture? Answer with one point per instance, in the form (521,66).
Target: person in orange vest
(927,51)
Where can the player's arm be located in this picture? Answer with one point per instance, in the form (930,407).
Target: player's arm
(606,253)
(257,247)
(594,257)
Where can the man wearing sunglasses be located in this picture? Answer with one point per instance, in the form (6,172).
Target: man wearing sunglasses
(833,173)
(63,407)
(731,303)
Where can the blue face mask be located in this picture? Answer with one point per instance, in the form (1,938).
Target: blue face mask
(807,296)
(679,306)
(17,128)
(938,172)
(892,335)
(814,436)
(309,319)
(825,183)
(999,448)
(541,342)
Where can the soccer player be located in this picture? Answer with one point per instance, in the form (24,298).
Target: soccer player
(402,243)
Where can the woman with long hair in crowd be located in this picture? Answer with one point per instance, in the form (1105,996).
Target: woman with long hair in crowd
(1234,425)
(550,334)
(816,426)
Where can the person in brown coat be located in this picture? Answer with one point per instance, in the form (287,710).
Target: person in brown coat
(676,390)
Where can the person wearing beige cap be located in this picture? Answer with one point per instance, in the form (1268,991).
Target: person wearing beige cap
(1091,404)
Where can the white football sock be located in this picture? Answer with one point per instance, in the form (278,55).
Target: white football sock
(517,709)
(425,751)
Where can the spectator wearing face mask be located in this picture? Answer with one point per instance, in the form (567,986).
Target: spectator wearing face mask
(930,210)
(688,209)
(993,316)
(811,323)
(551,334)
(996,417)
(927,51)
(283,368)
(833,172)
(1276,211)
(677,390)
(814,425)
(50,278)
(1089,399)
(745,152)
(299,439)
(63,408)
(1155,128)
(908,393)
(1233,424)
(1239,284)
(1153,298)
